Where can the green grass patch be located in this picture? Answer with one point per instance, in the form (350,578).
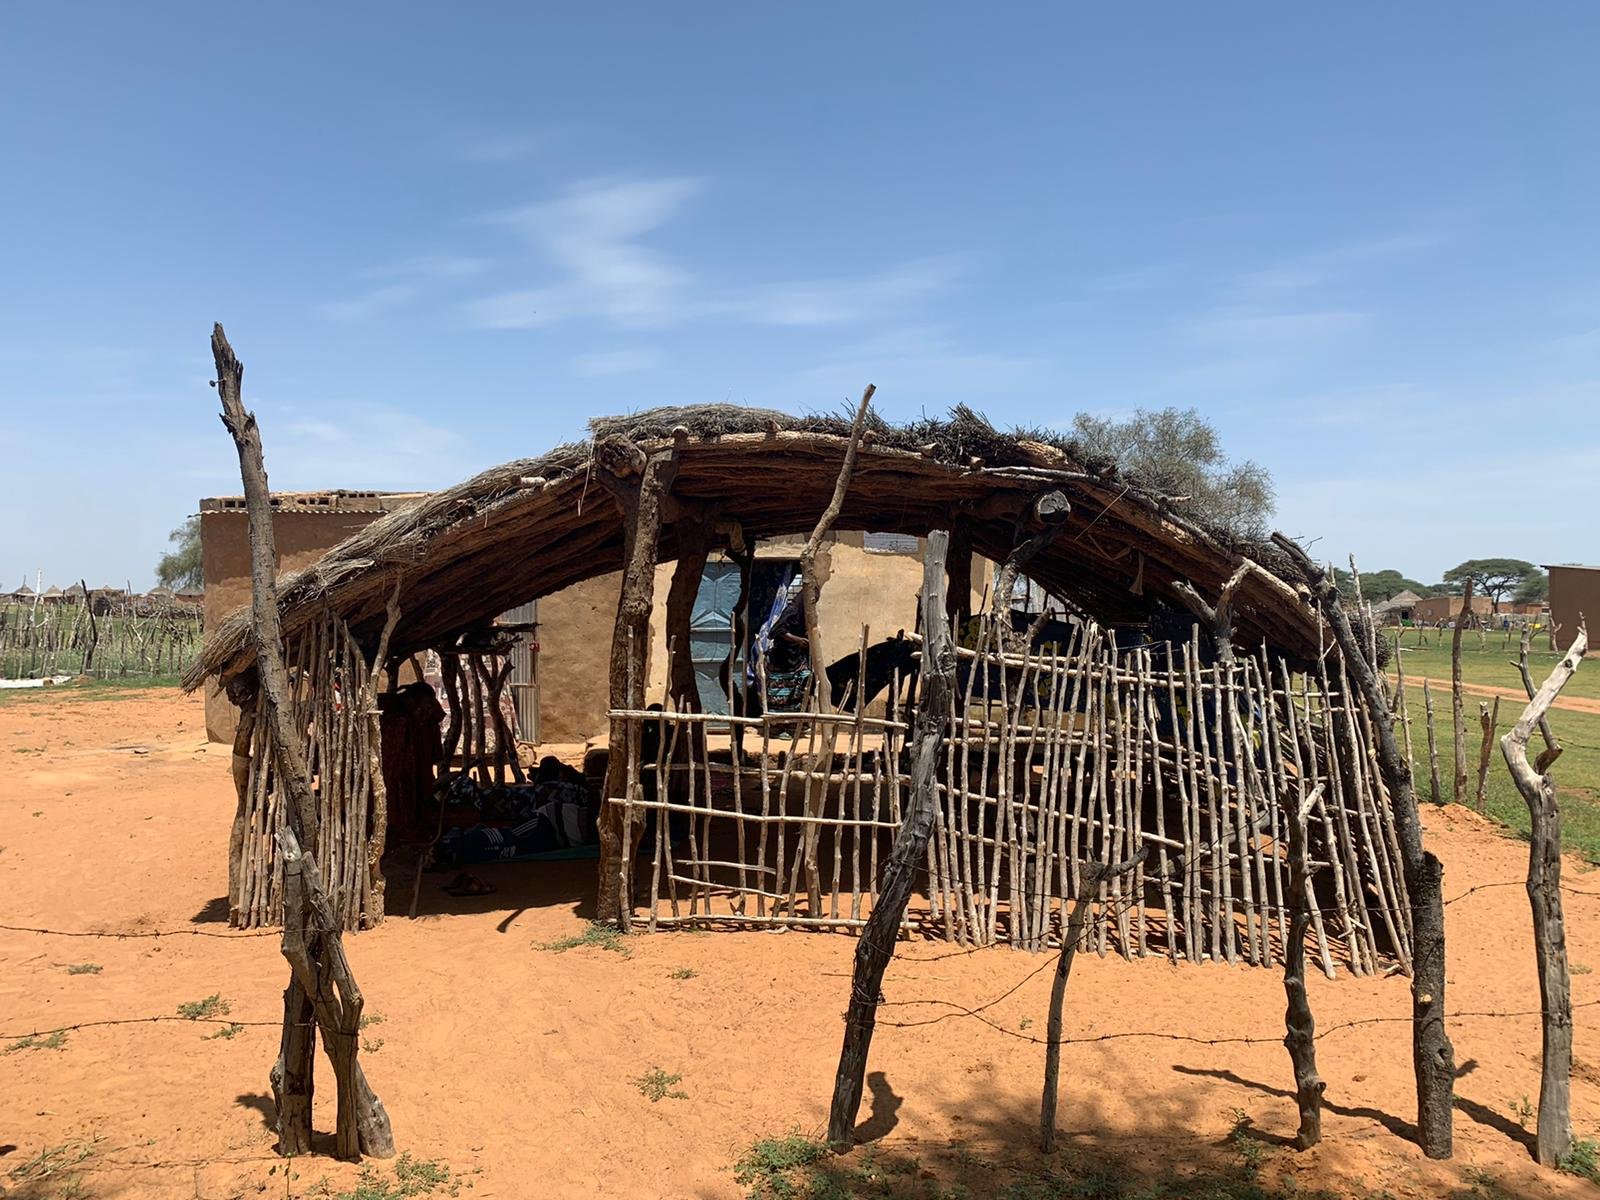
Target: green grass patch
(407,1177)
(1576,772)
(85,969)
(200,1010)
(128,688)
(657,1085)
(227,1033)
(34,1041)
(597,934)
(55,1171)
(1583,1159)
(1489,662)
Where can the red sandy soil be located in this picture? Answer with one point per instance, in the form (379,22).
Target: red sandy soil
(512,1064)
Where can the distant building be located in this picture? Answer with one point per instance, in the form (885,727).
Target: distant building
(1574,591)
(1397,609)
(1446,608)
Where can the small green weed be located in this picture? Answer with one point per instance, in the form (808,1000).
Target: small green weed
(53,1041)
(1251,1150)
(412,1177)
(768,1168)
(1583,1159)
(85,969)
(1522,1110)
(1025,1023)
(227,1033)
(598,934)
(56,1168)
(685,973)
(657,1085)
(199,1010)
(370,1019)
(371,1045)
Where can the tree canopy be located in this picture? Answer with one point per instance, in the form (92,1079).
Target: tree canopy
(1492,577)
(1378,586)
(180,568)
(1178,452)
(1533,589)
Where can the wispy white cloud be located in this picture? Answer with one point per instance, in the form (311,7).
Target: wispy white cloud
(831,301)
(1336,264)
(367,445)
(371,302)
(493,148)
(593,237)
(1264,329)
(623,361)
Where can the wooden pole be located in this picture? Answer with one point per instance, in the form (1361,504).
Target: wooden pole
(363,1126)
(1553,1141)
(1432,1055)
(640,485)
(934,713)
(1487,719)
(1435,792)
(1091,876)
(1458,719)
(1301,1036)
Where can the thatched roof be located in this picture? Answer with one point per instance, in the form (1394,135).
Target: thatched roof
(534,526)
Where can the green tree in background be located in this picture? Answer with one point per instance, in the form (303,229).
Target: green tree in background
(1534,588)
(180,568)
(1492,577)
(1177,452)
(1378,586)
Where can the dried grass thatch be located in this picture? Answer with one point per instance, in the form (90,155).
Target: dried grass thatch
(533,526)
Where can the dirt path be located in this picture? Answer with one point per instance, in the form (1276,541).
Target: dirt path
(1583,704)
(515,1065)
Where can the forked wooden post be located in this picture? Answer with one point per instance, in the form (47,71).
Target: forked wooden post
(934,714)
(1091,876)
(1432,1055)
(640,484)
(1553,1140)
(1301,1036)
(1458,718)
(317,962)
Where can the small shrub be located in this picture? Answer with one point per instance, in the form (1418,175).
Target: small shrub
(85,969)
(370,1019)
(1522,1110)
(598,934)
(55,1168)
(1251,1150)
(199,1010)
(371,1045)
(34,1041)
(657,1085)
(768,1169)
(412,1177)
(1583,1159)
(227,1033)
(685,973)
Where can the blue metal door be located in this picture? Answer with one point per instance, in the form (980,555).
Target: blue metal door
(711,632)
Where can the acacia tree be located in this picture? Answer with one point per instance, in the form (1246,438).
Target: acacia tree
(180,568)
(1534,588)
(1176,451)
(1492,577)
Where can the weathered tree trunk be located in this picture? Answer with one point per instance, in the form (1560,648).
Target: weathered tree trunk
(958,587)
(876,946)
(810,596)
(1554,1138)
(640,485)
(1300,1037)
(1432,1056)
(319,963)
(1050,512)
(694,533)
(1435,793)
(1487,719)
(1458,716)
(242,693)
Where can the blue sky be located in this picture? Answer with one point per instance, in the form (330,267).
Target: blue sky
(1361,239)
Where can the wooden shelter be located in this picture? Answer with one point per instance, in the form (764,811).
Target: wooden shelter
(1135,727)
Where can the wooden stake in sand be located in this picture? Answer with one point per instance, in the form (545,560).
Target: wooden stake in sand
(311,931)
(1554,1138)
(1432,1055)
(876,947)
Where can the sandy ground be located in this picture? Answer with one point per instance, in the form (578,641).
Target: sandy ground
(1583,704)
(513,1064)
